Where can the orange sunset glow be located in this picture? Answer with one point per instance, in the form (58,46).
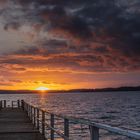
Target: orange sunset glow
(42,88)
(67,47)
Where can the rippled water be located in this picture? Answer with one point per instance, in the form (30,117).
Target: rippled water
(121,109)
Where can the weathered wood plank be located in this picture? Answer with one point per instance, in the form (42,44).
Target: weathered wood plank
(16,125)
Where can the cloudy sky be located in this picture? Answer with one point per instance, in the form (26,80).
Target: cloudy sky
(66,44)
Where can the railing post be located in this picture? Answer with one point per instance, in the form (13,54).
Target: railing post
(12,105)
(66,127)
(34,116)
(22,104)
(52,125)
(94,133)
(37,118)
(43,122)
(25,106)
(18,103)
(4,103)
(27,109)
(0,105)
(31,113)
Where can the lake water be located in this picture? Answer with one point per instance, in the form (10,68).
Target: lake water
(120,109)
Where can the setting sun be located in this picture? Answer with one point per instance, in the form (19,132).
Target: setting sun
(42,88)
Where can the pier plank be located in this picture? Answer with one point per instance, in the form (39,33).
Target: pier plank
(15,125)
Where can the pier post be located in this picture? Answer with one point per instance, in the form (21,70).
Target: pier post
(30,112)
(52,125)
(12,104)
(27,109)
(34,116)
(22,104)
(0,105)
(37,118)
(4,103)
(66,127)
(18,103)
(94,133)
(43,122)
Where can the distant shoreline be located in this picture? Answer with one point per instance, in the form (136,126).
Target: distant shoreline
(72,90)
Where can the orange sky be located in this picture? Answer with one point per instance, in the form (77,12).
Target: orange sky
(66,80)
(68,44)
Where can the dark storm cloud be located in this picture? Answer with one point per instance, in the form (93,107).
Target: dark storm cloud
(93,16)
(108,33)
(91,59)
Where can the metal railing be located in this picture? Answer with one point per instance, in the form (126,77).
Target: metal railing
(39,118)
(13,104)
(34,113)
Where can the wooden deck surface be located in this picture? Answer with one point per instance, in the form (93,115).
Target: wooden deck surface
(15,125)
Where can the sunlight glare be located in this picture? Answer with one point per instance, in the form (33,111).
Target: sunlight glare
(42,88)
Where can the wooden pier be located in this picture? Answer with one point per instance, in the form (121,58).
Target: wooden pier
(16,125)
(23,121)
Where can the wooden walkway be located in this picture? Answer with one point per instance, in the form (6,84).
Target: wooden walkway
(16,125)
